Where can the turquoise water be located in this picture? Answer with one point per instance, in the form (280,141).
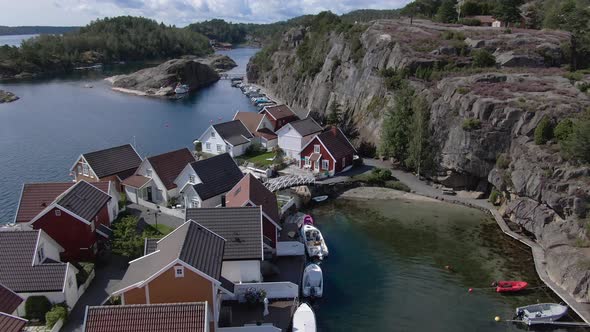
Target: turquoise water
(57,119)
(386,270)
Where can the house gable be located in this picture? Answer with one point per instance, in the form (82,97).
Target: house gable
(77,170)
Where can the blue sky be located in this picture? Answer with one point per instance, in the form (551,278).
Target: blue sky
(178,12)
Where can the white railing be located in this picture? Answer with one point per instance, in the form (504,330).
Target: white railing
(290,248)
(274,290)
(287,206)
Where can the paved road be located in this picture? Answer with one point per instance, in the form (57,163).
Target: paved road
(148,216)
(108,274)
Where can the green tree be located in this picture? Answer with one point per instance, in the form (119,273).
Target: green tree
(419,150)
(577,144)
(543,131)
(395,135)
(563,130)
(508,11)
(576,20)
(127,241)
(447,12)
(334,117)
(471,8)
(483,58)
(532,15)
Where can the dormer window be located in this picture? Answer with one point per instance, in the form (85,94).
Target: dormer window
(179,271)
(41,253)
(57,213)
(191,179)
(316,148)
(148,173)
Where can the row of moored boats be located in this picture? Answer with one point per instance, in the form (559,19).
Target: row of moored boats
(257,98)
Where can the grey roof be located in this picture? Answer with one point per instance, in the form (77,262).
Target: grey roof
(150,246)
(241,227)
(336,143)
(227,285)
(17,249)
(191,243)
(115,160)
(219,174)
(84,199)
(234,132)
(9,300)
(172,317)
(306,126)
(10,323)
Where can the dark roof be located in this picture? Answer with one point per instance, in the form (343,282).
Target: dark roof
(279,111)
(250,119)
(169,165)
(150,245)
(306,126)
(227,285)
(17,249)
(218,175)
(104,231)
(9,323)
(136,181)
(251,189)
(173,317)
(192,243)
(234,132)
(37,196)
(111,161)
(336,143)
(241,227)
(9,300)
(266,133)
(84,200)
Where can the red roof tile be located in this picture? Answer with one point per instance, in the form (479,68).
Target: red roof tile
(250,119)
(169,165)
(279,111)
(9,300)
(9,323)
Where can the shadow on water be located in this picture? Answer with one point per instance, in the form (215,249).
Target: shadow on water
(407,266)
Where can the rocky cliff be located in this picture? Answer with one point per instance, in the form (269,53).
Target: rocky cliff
(478,116)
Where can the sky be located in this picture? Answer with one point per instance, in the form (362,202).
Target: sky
(177,12)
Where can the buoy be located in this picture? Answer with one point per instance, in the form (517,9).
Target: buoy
(470,290)
(497,318)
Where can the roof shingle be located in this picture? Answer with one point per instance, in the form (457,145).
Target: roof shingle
(336,143)
(9,323)
(9,300)
(251,189)
(279,111)
(306,126)
(241,227)
(84,200)
(115,160)
(169,165)
(250,119)
(218,175)
(234,132)
(37,196)
(173,317)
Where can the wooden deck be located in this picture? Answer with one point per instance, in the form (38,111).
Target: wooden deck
(280,313)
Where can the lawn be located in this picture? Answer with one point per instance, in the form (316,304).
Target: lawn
(259,159)
(162,229)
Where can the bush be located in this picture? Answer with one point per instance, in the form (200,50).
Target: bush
(463,90)
(56,313)
(397,185)
(563,130)
(574,76)
(543,132)
(471,124)
(450,35)
(394,79)
(470,22)
(84,270)
(494,195)
(36,307)
(122,201)
(379,176)
(508,31)
(503,161)
(483,58)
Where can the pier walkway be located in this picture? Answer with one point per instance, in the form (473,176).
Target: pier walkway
(421,188)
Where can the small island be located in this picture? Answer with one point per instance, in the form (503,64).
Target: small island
(7,97)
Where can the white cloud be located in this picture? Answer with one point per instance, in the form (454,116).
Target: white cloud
(179,12)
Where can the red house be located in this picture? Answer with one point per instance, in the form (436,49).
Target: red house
(328,153)
(279,115)
(76,215)
(251,192)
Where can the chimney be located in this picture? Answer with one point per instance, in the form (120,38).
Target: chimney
(334,130)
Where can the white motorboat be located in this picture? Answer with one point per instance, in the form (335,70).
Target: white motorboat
(314,241)
(313,281)
(181,89)
(304,319)
(318,199)
(541,313)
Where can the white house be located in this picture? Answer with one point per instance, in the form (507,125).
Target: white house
(203,183)
(260,127)
(153,181)
(31,266)
(231,137)
(295,135)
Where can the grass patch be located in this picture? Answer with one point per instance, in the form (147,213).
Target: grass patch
(160,228)
(258,159)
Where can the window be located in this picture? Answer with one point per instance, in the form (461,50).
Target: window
(208,146)
(57,213)
(179,271)
(41,253)
(307,161)
(148,173)
(316,148)
(191,179)
(70,282)
(325,164)
(343,162)
(79,169)
(212,134)
(85,169)
(219,147)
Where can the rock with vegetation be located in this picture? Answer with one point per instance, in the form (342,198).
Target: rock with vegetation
(218,62)
(7,97)
(162,79)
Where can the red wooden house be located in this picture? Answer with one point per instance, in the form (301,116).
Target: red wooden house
(329,152)
(279,116)
(77,218)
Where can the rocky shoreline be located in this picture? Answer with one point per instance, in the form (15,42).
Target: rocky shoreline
(161,80)
(7,97)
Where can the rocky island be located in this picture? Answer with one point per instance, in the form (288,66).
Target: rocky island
(7,97)
(161,80)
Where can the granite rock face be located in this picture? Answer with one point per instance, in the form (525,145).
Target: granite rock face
(7,97)
(548,196)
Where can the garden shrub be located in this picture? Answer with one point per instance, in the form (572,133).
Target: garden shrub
(470,22)
(397,185)
(59,311)
(36,307)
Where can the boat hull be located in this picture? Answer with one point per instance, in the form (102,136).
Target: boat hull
(542,313)
(304,319)
(510,286)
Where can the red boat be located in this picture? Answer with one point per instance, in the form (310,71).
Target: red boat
(510,286)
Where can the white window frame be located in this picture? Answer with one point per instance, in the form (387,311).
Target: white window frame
(307,161)
(325,164)
(219,148)
(85,170)
(208,146)
(149,172)
(179,271)
(343,162)
(316,148)
(191,179)
(212,133)
(57,212)
(79,169)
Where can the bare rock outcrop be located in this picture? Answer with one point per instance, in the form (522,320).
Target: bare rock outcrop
(7,97)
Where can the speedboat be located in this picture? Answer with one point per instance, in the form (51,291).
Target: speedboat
(308,220)
(318,199)
(313,281)
(510,286)
(314,241)
(541,313)
(181,89)
(304,319)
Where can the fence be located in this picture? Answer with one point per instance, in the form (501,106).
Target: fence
(84,287)
(290,248)
(274,290)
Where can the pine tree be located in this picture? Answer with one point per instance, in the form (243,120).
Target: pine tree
(447,12)
(419,151)
(395,135)
(508,11)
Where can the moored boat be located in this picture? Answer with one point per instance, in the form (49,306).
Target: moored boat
(181,89)
(308,220)
(510,286)
(318,199)
(541,313)
(304,319)
(313,281)
(314,241)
